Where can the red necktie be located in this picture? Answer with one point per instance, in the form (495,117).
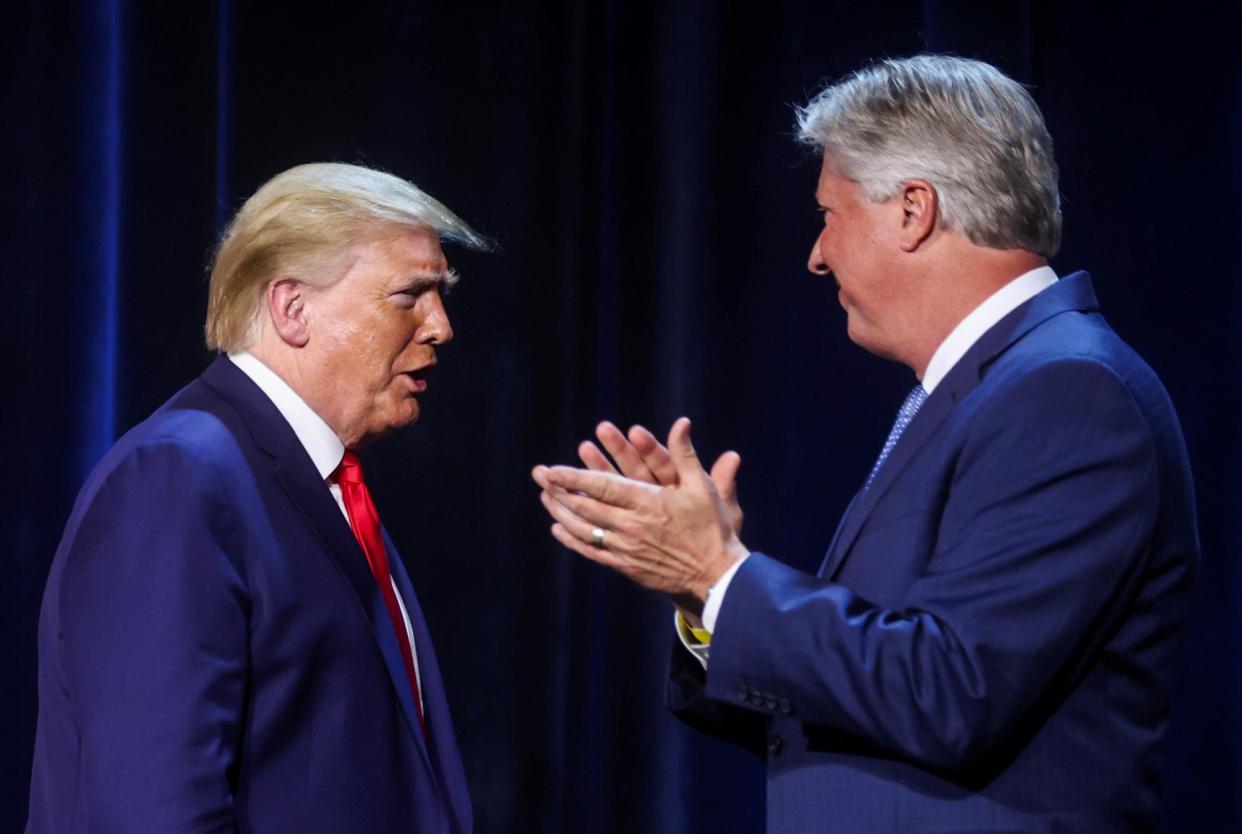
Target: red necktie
(365,521)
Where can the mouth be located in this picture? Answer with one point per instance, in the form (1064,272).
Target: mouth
(417,378)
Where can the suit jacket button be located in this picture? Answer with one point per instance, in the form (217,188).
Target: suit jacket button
(769,703)
(786,707)
(775,744)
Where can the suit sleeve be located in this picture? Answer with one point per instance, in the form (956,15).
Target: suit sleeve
(687,699)
(153,645)
(1042,537)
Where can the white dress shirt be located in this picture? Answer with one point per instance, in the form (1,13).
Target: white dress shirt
(968,331)
(325,449)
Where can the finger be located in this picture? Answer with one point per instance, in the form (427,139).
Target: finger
(593,458)
(627,457)
(576,524)
(580,513)
(595,554)
(724,475)
(682,450)
(602,486)
(540,475)
(584,530)
(654,455)
(578,527)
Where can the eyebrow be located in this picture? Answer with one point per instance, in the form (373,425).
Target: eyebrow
(419,282)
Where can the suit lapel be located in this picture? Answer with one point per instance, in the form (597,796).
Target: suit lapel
(1073,292)
(829,557)
(297,474)
(325,518)
(921,428)
(443,743)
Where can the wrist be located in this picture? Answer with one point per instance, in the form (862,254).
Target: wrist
(734,551)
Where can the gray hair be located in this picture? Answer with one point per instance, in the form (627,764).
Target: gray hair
(964,126)
(299,223)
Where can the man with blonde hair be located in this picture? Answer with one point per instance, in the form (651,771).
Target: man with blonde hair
(229,641)
(988,642)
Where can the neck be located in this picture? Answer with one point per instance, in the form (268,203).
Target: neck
(279,363)
(284,362)
(954,292)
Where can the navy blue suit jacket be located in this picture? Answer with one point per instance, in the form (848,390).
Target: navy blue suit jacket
(214,653)
(988,645)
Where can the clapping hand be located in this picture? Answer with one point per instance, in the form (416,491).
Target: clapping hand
(655,516)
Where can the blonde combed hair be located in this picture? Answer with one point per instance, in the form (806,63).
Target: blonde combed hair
(299,223)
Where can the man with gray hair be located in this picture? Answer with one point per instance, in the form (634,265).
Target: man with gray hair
(988,643)
(229,641)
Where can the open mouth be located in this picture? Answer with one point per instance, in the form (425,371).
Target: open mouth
(418,378)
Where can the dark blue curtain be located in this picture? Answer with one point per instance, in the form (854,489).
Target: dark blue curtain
(634,161)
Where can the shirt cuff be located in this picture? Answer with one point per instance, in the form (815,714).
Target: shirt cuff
(715,595)
(700,650)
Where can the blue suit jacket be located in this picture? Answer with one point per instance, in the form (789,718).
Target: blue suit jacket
(214,653)
(988,645)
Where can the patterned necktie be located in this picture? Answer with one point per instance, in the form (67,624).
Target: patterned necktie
(365,521)
(914,401)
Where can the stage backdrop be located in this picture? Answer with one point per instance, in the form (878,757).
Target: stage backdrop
(634,163)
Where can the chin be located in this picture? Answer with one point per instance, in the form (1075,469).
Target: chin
(389,420)
(868,342)
(407,417)
(408,414)
(857,334)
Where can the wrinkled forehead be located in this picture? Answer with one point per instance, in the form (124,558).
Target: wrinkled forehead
(413,247)
(393,258)
(407,255)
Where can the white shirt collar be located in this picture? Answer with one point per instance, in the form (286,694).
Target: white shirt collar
(316,436)
(981,319)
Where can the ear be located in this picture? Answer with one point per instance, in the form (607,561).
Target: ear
(919,204)
(286,308)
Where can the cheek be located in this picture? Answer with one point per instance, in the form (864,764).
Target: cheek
(345,341)
(369,343)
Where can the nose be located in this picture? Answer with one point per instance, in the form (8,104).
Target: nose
(815,263)
(435,328)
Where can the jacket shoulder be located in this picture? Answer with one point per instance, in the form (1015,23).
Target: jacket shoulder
(190,438)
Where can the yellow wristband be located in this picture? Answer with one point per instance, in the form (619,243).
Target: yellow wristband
(701,635)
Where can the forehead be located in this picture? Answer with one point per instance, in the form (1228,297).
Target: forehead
(400,254)
(415,249)
(833,186)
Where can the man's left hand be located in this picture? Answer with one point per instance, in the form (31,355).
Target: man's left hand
(677,539)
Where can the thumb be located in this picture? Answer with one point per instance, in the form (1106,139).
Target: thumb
(681,450)
(724,475)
